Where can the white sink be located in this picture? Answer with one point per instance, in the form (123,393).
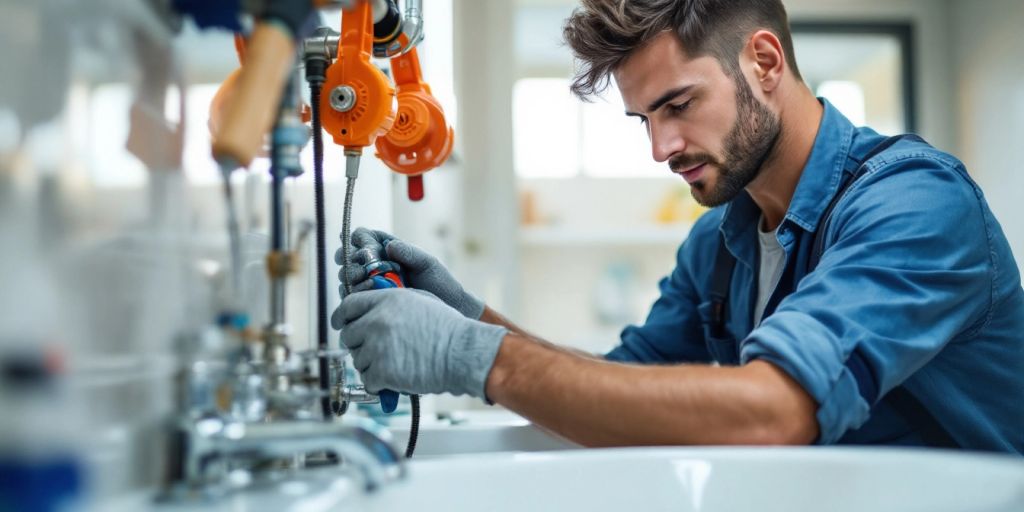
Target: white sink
(478,432)
(713,479)
(677,479)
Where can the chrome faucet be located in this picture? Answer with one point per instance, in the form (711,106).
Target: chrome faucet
(259,425)
(202,448)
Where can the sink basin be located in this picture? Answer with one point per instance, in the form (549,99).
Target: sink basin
(678,479)
(711,479)
(478,432)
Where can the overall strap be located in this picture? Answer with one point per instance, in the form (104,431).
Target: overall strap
(721,278)
(850,175)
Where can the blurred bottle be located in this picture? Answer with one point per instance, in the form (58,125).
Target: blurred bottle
(40,468)
(614,296)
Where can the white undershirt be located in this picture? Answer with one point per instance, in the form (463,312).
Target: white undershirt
(773,259)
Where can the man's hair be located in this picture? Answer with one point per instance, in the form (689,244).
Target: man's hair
(603,33)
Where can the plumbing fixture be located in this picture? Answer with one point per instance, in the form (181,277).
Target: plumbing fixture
(203,449)
(246,400)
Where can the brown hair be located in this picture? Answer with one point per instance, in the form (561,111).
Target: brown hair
(603,33)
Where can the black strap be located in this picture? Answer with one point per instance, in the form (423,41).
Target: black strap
(903,402)
(725,262)
(855,172)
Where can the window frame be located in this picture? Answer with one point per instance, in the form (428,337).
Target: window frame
(902,31)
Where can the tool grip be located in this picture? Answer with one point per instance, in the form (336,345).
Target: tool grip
(388,398)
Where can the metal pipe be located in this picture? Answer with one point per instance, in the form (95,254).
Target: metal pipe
(323,43)
(234,237)
(412,32)
(287,139)
(412,24)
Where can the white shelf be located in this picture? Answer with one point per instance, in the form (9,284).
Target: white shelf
(562,236)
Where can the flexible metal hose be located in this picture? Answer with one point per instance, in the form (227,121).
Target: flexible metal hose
(346,232)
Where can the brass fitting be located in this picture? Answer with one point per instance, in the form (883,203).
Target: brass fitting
(281,264)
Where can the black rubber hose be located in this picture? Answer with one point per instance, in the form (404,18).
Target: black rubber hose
(414,428)
(315,74)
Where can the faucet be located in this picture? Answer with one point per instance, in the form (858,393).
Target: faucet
(202,447)
(208,438)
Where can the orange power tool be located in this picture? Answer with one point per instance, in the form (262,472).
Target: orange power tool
(421,138)
(357,100)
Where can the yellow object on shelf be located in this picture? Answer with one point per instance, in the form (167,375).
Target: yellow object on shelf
(678,206)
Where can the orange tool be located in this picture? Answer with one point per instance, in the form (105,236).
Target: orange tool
(227,90)
(420,139)
(250,99)
(357,100)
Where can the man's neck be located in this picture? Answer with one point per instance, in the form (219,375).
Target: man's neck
(773,188)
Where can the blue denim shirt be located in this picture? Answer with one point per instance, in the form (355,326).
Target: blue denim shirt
(916,279)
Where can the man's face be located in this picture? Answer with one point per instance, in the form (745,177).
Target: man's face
(710,129)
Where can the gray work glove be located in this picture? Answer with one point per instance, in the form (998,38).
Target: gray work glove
(411,342)
(419,269)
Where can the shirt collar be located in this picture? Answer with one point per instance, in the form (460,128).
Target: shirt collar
(819,179)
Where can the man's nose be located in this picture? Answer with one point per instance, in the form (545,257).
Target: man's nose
(665,141)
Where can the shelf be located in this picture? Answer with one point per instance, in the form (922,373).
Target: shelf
(561,236)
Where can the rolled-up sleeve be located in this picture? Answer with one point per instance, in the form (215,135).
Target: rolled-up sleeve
(672,332)
(906,270)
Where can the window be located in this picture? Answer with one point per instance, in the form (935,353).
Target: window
(558,136)
(545,129)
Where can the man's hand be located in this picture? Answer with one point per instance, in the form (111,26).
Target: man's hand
(420,270)
(409,341)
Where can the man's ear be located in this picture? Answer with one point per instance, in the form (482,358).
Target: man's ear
(764,50)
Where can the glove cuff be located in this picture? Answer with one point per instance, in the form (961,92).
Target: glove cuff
(471,357)
(470,306)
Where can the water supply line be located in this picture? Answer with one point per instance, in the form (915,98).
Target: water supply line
(316,68)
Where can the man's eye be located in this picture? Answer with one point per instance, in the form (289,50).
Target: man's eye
(677,109)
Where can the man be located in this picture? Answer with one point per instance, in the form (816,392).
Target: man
(851,288)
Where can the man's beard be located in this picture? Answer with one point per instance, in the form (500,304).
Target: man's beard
(747,146)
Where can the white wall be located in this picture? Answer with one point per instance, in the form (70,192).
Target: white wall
(484,77)
(935,91)
(987,45)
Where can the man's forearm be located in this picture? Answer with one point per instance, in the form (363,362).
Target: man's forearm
(599,403)
(493,317)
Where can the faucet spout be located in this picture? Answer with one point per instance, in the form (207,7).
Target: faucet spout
(201,447)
